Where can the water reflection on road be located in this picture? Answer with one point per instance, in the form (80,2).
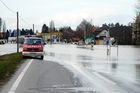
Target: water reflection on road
(125,66)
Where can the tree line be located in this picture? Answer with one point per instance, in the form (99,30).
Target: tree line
(13,33)
(122,33)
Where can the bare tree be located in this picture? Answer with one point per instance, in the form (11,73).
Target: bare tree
(4,26)
(52,26)
(138,7)
(0,24)
(68,33)
(85,27)
(136,25)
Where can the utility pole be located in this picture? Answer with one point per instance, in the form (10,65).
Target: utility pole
(85,30)
(17,33)
(33,28)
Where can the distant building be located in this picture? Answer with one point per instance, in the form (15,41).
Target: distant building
(101,37)
(52,37)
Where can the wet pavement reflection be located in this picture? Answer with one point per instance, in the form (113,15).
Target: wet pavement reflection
(125,66)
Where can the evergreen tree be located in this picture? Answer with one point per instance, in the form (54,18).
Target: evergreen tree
(45,29)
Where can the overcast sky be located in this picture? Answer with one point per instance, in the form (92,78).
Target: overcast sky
(67,12)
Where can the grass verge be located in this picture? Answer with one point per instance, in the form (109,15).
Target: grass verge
(8,65)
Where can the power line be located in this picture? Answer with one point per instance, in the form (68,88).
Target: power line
(14,12)
(23,20)
(7,7)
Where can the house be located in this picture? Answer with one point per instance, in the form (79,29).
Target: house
(51,37)
(102,37)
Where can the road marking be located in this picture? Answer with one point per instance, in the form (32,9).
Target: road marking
(16,83)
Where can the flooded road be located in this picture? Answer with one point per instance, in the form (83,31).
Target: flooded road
(8,48)
(70,69)
(122,70)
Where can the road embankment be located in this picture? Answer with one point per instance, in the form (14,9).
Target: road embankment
(8,65)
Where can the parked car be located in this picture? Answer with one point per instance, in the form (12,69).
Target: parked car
(33,47)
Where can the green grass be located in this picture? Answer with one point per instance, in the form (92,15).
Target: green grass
(9,64)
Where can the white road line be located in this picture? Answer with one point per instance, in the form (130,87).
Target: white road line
(16,83)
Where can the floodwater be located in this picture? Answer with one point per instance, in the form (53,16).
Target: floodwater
(125,65)
(118,72)
(121,67)
(8,48)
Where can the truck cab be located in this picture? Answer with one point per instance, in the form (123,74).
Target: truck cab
(33,47)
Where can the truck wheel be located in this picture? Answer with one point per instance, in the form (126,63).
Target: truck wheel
(24,57)
(42,57)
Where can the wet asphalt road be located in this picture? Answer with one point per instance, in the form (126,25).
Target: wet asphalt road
(45,77)
(68,69)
